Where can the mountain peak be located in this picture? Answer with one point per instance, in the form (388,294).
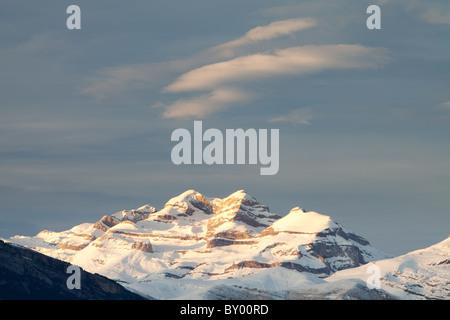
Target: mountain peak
(300,221)
(186,198)
(183,197)
(297,209)
(241,195)
(146,208)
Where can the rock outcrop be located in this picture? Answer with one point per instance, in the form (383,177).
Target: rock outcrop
(26,274)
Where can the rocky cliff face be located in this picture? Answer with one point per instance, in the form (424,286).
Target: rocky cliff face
(197,237)
(27,274)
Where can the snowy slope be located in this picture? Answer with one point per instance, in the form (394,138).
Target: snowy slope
(420,274)
(196,243)
(345,289)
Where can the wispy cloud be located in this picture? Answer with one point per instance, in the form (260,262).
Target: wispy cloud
(444,105)
(111,80)
(430,11)
(274,30)
(115,79)
(271,31)
(436,15)
(296,116)
(295,60)
(204,105)
(218,79)
(291,61)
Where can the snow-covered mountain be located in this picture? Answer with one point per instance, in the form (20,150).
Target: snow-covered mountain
(420,274)
(197,247)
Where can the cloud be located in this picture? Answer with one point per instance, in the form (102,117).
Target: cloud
(111,80)
(295,60)
(276,29)
(444,105)
(291,61)
(204,105)
(219,79)
(430,11)
(296,116)
(436,15)
(117,79)
(271,31)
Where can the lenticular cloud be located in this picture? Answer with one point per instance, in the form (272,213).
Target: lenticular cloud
(300,61)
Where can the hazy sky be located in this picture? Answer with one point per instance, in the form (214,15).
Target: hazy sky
(364,115)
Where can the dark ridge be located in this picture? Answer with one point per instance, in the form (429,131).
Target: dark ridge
(29,275)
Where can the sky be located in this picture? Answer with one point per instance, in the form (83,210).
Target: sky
(86,115)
